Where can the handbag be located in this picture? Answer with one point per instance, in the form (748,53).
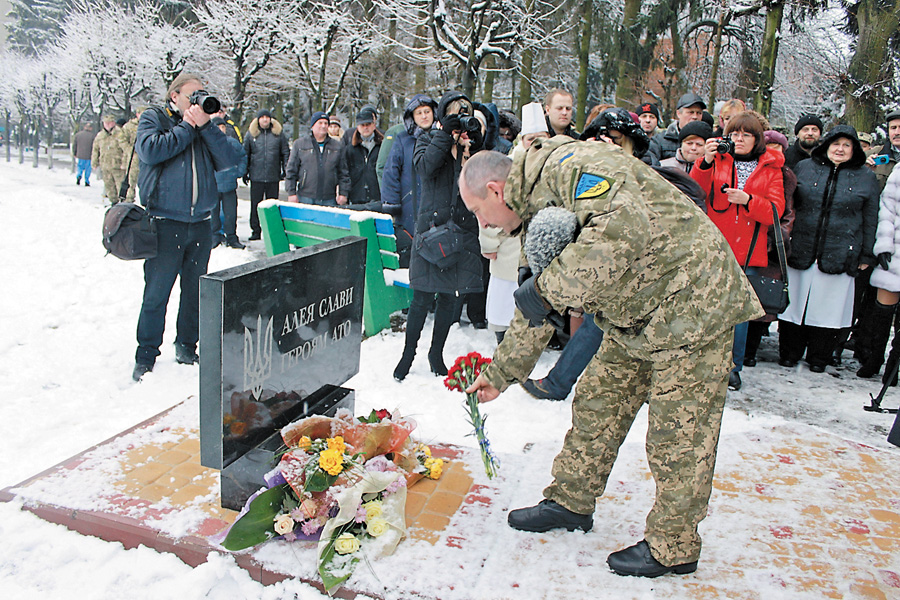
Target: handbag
(772,293)
(128,232)
(441,245)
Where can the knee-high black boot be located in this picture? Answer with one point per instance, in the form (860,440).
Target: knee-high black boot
(443,319)
(893,357)
(415,321)
(874,331)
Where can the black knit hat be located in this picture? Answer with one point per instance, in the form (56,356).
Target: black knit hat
(805,120)
(648,107)
(698,128)
(264,112)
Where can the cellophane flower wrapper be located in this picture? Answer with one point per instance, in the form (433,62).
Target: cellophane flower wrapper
(334,568)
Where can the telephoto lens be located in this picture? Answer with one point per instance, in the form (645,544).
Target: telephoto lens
(209,104)
(470,124)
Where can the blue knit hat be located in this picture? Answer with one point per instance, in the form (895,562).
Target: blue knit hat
(317,116)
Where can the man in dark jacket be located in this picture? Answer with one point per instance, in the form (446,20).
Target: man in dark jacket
(808,131)
(226,182)
(891,149)
(664,145)
(82,146)
(267,157)
(358,161)
(558,109)
(180,151)
(314,167)
(400,185)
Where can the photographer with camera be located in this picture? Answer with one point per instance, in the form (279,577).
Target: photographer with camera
(180,152)
(438,158)
(743,179)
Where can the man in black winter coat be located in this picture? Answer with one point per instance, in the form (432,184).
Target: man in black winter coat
(808,131)
(267,151)
(358,161)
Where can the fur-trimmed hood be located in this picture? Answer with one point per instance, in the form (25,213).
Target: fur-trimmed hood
(356,139)
(254,129)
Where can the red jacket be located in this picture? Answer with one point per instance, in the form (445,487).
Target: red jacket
(737,221)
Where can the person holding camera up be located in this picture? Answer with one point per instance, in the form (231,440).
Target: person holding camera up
(180,152)
(744,180)
(438,158)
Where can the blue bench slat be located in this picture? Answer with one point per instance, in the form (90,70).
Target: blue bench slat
(384,226)
(298,212)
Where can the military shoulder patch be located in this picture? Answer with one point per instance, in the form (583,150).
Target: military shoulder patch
(591,186)
(566,158)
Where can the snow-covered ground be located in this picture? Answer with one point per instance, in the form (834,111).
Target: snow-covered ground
(68,315)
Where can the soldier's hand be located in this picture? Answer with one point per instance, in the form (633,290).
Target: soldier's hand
(483,390)
(529,300)
(525,273)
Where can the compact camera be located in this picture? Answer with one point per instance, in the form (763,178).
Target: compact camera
(881,159)
(724,146)
(209,104)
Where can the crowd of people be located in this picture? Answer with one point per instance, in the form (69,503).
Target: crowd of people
(823,189)
(637,241)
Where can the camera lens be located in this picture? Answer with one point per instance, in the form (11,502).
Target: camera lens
(209,104)
(724,146)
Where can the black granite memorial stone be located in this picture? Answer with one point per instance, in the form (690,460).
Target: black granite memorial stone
(278,338)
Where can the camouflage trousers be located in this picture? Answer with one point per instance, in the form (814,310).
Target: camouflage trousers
(685,390)
(112,181)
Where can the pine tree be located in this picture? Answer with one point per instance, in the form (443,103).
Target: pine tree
(35,23)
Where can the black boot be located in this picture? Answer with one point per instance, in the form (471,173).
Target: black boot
(874,331)
(443,319)
(415,321)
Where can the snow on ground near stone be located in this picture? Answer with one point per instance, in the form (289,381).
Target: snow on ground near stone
(68,316)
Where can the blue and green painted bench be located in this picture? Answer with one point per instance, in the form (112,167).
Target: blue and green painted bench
(287,224)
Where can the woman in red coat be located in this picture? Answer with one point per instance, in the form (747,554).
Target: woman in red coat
(743,180)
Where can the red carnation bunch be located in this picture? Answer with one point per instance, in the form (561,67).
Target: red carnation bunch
(460,376)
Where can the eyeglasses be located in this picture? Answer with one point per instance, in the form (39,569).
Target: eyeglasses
(738,135)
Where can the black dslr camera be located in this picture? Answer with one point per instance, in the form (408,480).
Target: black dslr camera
(209,104)
(469,124)
(725,146)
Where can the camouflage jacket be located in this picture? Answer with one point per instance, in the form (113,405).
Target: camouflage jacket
(654,269)
(107,152)
(127,137)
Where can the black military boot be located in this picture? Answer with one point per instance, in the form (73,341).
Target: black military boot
(637,561)
(548,515)
(874,331)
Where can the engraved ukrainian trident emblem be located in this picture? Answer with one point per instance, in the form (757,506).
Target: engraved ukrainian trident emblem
(257,357)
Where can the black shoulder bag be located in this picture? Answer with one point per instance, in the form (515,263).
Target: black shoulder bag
(128,231)
(772,293)
(442,245)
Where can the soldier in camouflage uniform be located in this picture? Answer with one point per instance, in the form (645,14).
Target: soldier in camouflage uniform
(130,161)
(665,288)
(107,153)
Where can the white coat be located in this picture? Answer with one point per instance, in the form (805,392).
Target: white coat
(887,236)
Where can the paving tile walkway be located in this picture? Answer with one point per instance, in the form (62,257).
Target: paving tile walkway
(795,513)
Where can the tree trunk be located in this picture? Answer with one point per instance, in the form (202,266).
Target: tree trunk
(487,92)
(768,57)
(717,54)
(526,72)
(295,113)
(584,61)
(870,66)
(50,142)
(628,78)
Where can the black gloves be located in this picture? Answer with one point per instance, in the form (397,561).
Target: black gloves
(528,300)
(884,259)
(477,141)
(451,123)
(525,273)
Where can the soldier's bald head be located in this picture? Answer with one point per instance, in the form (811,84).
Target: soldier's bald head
(482,168)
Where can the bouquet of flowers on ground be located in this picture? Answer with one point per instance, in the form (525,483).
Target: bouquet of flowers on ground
(460,376)
(342,481)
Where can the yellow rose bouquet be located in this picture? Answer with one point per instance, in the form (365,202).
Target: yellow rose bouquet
(341,480)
